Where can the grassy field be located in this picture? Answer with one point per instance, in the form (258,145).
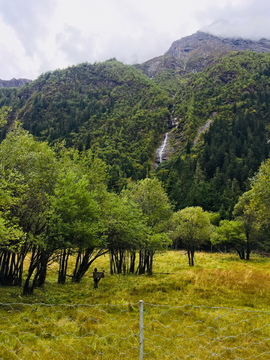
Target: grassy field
(218,309)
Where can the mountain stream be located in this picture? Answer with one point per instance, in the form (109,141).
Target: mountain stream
(162,150)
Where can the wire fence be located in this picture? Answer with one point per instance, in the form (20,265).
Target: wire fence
(134,331)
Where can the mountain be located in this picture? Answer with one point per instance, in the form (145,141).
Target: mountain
(223,132)
(109,107)
(193,53)
(13,83)
(215,91)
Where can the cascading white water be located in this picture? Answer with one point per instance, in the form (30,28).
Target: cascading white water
(162,151)
(162,147)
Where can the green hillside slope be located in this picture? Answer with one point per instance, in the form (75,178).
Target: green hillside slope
(212,169)
(121,114)
(109,107)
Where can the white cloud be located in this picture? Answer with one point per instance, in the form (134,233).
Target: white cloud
(250,20)
(48,34)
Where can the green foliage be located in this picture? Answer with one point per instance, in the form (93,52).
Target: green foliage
(75,213)
(36,168)
(54,203)
(168,81)
(3,113)
(11,190)
(231,233)
(152,199)
(259,201)
(244,212)
(125,227)
(260,194)
(235,95)
(110,108)
(192,226)
(50,199)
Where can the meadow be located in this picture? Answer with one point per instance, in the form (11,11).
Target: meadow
(218,309)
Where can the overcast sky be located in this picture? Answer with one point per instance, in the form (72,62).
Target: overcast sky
(42,35)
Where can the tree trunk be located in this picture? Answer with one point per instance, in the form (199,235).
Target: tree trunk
(11,266)
(190,257)
(150,264)
(84,261)
(147,261)
(112,264)
(62,273)
(241,254)
(141,266)
(38,266)
(248,247)
(132,262)
(27,289)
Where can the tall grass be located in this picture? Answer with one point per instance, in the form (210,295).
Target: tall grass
(188,312)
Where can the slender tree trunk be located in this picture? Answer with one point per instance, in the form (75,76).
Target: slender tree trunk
(124,263)
(189,260)
(248,247)
(190,257)
(62,273)
(132,261)
(141,266)
(38,267)
(150,263)
(120,261)
(112,265)
(11,266)
(27,289)
(241,254)
(41,271)
(147,262)
(86,259)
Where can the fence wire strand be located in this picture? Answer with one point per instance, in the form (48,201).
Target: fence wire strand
(44,331)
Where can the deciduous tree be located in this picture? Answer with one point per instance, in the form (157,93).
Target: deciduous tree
(232,234)
(192,226)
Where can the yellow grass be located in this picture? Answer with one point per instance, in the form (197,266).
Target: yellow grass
(218,309)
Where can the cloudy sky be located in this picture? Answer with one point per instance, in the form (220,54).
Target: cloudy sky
(42,35)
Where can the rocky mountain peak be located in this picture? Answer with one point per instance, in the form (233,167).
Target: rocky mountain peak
(13,83)
(193,53)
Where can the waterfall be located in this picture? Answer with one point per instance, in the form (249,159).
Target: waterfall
(161,149)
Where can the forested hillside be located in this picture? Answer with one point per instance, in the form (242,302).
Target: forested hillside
(213,169)
(121,114)
(109,107)
(78,179)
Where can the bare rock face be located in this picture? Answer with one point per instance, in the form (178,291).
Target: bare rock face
(13,83)
(160,63)
(193,53)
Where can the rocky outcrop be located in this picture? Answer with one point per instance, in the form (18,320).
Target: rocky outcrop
(160,63)
(13,83)
(193,53)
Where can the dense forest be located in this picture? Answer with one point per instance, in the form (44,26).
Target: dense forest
(77,158)
(110,108)
(214,168)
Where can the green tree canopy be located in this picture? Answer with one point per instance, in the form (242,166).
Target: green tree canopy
(3,113)
(247,215)
(157,210)
(231,233)
(193,227)
(259,196)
